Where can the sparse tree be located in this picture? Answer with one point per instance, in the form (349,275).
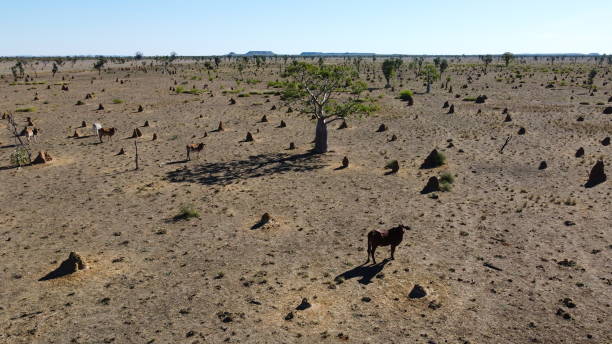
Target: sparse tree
(443,66)
(507,57)
(487,59)
(55,69)
(319,87)
(99,64)
(591,78)
(217,61)
(430,73)
(389,68)
(138,56)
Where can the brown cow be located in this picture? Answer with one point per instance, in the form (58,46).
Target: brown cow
(391,237)
(30,133)
(195,148)
(106,132)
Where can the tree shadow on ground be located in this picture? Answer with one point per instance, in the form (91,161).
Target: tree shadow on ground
(365,272)
(223,173)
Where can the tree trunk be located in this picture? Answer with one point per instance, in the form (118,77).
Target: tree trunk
(321,137)
(428,86)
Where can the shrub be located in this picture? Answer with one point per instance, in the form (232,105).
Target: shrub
(446,181)
(406,95)
(28,109)
(447,178)
(187,212)
(117,101)
(20,157)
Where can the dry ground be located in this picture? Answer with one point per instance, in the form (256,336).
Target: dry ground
(214,279)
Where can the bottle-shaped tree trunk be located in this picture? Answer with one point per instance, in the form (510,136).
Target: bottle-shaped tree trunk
(321,136)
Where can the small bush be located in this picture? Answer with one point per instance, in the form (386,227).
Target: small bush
(117,101)
(242,95)
(80,102)
(20,157)
(447,178)
(406,95)
(28,109)
(187,212)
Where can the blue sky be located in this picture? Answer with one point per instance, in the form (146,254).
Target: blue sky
(122,27)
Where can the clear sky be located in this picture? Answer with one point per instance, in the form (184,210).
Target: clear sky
(190,27)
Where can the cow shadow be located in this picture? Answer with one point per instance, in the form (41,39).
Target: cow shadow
(364,272)
(227,172)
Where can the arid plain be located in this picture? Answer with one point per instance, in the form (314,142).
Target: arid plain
(511,254)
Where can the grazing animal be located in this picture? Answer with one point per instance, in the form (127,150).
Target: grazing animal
(30,133)
(95,127)
(194,148)
(106,132)
(391,237)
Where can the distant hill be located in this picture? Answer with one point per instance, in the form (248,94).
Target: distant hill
(259,53)
(310,53)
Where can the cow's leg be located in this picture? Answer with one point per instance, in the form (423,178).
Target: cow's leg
(374,254)
(392,251)
(100,137)
(369,250)
(188,158)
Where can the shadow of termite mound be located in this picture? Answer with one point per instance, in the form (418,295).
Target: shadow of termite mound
(69,266)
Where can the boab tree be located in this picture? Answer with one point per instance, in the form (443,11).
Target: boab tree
(330,92)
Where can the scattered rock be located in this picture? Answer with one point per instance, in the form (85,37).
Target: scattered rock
(542,166)
(100,107)
(508,118)
(76,134)
(433,185)
(569,223)
(434,159)
(273,108)
(445,105)
(417,292)
(345,162)
(264,119)
(83,124)
(393,138)
(220,127)
(580,119)
(366,299)
(481,99)
(140,108)
(521,131)
(42,158)
(265,218)
(232,101)
(608,110)
(565,315)
(121,152)
(597,175)
(154,137)
(343,125)
(381,128)
(606,141)
(249,137)
(291,146)
(289,316)
(579,152)
(289,110)
(136,133)
(282,124)
(451,109)
(71,265)
(304,305)
(392,165)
